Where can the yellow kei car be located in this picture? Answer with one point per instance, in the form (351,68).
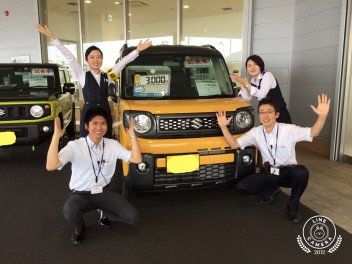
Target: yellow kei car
(173,94)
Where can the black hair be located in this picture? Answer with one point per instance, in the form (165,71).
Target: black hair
(93,112)
(269,101)
(90,49)
(257,60)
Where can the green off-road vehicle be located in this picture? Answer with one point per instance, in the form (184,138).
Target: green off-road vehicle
(31,96)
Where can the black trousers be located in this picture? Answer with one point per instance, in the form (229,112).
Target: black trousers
(263,185)
(114,206)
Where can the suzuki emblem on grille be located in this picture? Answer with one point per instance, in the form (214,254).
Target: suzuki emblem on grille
(197,123)
(2,112)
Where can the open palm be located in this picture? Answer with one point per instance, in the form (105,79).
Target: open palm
(323,105)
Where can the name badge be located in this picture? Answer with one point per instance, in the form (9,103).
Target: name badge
(275,170)
(96,189)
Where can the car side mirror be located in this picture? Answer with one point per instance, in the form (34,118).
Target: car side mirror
(236,89)
(112,92)
(69,88)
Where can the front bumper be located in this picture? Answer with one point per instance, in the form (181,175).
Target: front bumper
(216,168)
(30,134)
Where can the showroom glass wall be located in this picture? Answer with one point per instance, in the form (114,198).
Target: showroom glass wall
(110,24)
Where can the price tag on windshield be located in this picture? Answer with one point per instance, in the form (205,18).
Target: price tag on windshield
(151,85)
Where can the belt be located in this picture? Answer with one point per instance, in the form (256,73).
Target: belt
(266,167)
(75,191)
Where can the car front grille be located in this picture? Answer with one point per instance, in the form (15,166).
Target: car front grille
(206,173)
(14,112)
(19,112)
(188,123)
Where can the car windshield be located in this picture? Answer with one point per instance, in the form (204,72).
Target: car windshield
(176,77)
(26,81)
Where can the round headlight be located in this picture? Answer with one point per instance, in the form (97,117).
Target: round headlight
(142,123)
(36,111)
(243,119)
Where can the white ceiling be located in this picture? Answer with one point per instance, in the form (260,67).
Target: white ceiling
(149,11)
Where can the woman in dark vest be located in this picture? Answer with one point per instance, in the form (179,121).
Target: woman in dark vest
(262,84)
(94,82)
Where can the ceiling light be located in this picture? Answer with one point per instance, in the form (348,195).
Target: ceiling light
(117,3)
(186,6)
(87,1)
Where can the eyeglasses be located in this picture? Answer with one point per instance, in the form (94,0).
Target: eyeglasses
(267,112)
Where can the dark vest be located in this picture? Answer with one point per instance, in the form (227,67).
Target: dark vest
(274,93)
(95,95)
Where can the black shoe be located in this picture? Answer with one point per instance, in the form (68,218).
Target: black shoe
(103,220)
(294,216)
(270,199)
(76,239)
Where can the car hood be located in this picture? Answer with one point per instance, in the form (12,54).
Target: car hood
(27,96)
(187,106)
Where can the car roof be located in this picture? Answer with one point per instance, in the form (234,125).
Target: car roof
(175,50)
(37,65)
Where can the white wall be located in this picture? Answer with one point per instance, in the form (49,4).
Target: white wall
(299,42)
(18,36)
(315,58)
(272,38)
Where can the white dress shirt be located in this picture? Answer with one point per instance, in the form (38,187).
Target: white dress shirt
(279,145)
(268,82)
(98,160)
(77,70)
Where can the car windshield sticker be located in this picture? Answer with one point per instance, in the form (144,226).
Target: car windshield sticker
(207,87)
(195,62)
(151,85)
(43,71)
(38,82)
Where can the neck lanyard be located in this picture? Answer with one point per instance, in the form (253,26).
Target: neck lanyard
(277,135)
(100,162)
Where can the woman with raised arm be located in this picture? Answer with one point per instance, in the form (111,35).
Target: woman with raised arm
(94,82)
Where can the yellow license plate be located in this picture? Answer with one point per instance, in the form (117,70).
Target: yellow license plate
(182,163)
(7,138)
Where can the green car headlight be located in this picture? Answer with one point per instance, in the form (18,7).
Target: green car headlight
(36,111)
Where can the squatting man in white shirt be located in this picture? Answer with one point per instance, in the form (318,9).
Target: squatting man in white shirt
(93,160)
(276,143)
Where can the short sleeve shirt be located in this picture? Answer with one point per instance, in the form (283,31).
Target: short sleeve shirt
(279,145)
(97,161)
